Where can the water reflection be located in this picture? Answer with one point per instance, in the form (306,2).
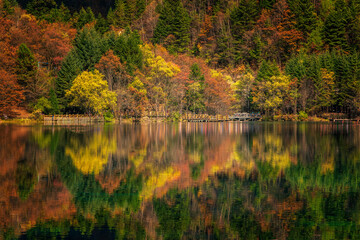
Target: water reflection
(180,181)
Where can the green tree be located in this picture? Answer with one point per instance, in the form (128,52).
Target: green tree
(41,8)
(70,68)
(84,17)
(26,68)
(195,90)
(90,92)
(173,26)
(335,26)
(102,25)
(305,15)
(54,103)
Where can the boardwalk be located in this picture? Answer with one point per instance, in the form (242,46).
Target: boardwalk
(71,119)
(220,118)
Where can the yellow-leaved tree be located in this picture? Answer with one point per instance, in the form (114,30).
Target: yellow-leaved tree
(91,92)
(270,94)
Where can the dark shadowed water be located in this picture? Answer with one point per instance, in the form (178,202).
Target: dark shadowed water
(180,181)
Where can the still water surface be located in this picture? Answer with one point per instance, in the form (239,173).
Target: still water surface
(180,181)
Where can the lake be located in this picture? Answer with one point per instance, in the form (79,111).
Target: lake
(180,181)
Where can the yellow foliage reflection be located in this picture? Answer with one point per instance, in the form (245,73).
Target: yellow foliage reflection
(93,155)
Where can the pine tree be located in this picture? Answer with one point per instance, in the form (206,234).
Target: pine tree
(89,47)
(26,66)
(195,90)
(173,26)
(267,70)
(305,15)
(41,8)
(70,68)
(54,102)
(267,4)
(117,16)
(243,18)
(335,26)
(102,25)
(84,17)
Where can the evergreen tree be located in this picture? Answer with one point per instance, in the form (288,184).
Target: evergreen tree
(126,47)
(89,47)
(117,17)
(267,4)
(54,102)
(41,8)
(335,26)
(70,68)
(102,25)
(173,26)
(305,15)
(267,70)
(61,14)
(26,65)
(84,17)
(243,18)
(140,7)
(195,90)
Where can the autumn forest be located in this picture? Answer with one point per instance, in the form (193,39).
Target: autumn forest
(285,59)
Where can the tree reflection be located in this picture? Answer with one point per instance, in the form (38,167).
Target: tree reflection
(187,181)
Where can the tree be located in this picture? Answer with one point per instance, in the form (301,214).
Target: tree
(102,25)
(335,26)
(84,17)
(11,94)
(159,76)
(173,25)
(304,14)
(90,92)
(114,72)
(195,90)
(41,8)
(270,94)
(70,68)
(26,69)
(138,91)
(324,89)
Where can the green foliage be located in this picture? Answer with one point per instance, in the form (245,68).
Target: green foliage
(41,8)
(195,90)
(102,25)
(54,103)
(302,116)
(108,116)
(60,14)
(84,17)
(305,15)
(173,26)
(26,65)
(267,70)
(243,17)
(70,68)
(127,48)
(335,26)
(43,104)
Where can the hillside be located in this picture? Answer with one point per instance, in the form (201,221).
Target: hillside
(132,58)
